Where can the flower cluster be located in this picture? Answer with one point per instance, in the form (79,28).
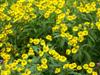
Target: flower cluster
(54,37)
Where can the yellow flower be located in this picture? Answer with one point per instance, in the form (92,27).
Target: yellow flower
(74,50)
(75,28)
(24,56)
(47,14)
(33,16)
(89,70)
(31,52)
(23,74)
(72,66)
(85,66)
(27,71)
(71,17)
(68,51)
(28,45)
(1,44)
(52,52)
(19,69)
(1,36)
(31,40)
(65,66)
(67,12)
(23,62)
(61,16)
(64,27)
(98,25)
(55,28)
(30,60)
(6,57)
(80,34)
(39,68)
(94,73)
(79,67)
(85,32)
(45,48)
(41,53)
(69,36)
(42,42)
(91,64)
(43,60)
(36,41)
(44,66)
(61,4)
(8,49)
(58,11)
(75,4)
(57,70)
(49,37)
(62,58)
(81,39)
(4,72)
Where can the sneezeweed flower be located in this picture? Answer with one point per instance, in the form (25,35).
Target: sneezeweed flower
(91,64)
(58,11)
(36,41)
(47,14)
(42,42)
(57,70)
(52,52)
(61,16)
(85,66)
(94,73)
(80,33)
(64,27)
(1,36)
(71,17)
(49,37)
(44,66)
(24,56)
(19,69)
(71,66)
(85,32)
(27,71)
(74,65)
(23,62)
(43,60)
(65,66)
(98,25)
(31,40)
(62,58)
(8,49)
(31,52)
(74,50)
(89,70)
(79,67)
(28,45)
(29,60)
(3,72)
(1,44)
(39,68)
(81,39)
(45,48)
(41,53)
(23,74)
(68,52)
(75,28)
(55,28)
